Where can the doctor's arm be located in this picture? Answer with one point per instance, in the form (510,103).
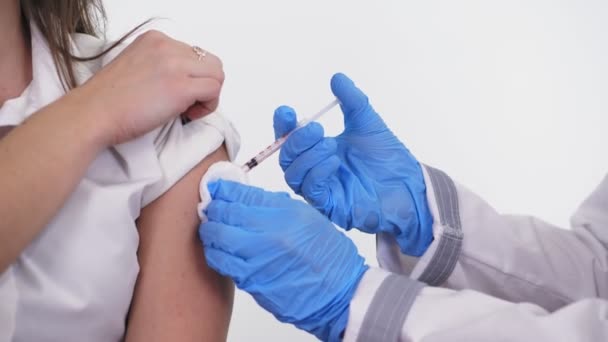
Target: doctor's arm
(516,258)
(177,296)
(389,307)
(300,268)
(431,228)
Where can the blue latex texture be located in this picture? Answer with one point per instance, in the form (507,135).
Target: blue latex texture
(288,256)
(364,178)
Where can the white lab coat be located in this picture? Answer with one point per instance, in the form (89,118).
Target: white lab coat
(489,277)
(75,281)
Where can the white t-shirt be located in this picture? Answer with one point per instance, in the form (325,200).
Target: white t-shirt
(75,281)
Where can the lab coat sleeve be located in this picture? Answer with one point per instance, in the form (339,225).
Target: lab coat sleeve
(389,307)
(515,258)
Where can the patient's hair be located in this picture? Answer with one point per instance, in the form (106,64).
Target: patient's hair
(58,19)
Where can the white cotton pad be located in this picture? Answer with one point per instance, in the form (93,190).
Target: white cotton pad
(221,170)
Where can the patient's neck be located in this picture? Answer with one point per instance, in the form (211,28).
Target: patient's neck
(15,51)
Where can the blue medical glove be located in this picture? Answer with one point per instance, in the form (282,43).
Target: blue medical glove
(288,256)
(364,178)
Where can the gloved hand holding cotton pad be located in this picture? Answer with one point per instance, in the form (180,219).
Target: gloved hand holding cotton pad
(221,170)
(232,172)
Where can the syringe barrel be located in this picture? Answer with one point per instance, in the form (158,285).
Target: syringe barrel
(268,151)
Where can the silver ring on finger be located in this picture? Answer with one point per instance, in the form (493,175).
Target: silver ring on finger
(200,53)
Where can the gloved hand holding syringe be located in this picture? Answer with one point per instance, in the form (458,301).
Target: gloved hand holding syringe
(230,171)
(275,146)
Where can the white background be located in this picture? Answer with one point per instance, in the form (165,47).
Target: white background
(509,97)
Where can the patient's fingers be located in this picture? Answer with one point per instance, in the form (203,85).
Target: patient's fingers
(200,110)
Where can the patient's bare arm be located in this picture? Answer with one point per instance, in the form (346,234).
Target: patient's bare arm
(177,297)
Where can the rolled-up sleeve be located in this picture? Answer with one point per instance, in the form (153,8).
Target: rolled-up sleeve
(180,147)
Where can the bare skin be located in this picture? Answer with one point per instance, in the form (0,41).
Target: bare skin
(15,54)
(177,296)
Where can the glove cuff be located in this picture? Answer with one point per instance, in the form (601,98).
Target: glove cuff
(416,242)
(330,323)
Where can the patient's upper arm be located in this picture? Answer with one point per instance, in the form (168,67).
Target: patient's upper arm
(177,296)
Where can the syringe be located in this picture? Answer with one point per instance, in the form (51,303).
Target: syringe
(275,146)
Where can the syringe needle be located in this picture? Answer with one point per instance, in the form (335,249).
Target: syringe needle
(275,146)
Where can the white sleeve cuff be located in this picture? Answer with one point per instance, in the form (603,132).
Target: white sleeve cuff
(371,281)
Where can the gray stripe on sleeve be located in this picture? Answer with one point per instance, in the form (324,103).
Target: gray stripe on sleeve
(389,308)
(448,249)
